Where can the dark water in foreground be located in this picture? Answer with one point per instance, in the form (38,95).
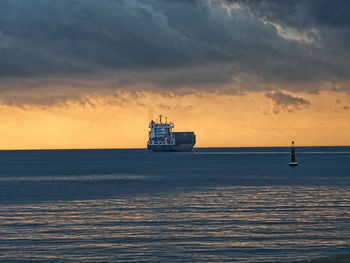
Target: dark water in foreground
(210,205)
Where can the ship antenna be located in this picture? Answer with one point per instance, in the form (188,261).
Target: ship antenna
(160,118)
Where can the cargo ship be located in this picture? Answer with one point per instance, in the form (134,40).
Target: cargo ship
(163,139)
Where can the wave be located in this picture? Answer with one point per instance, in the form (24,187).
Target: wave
(336,259)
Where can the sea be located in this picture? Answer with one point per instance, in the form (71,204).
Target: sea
(208,205)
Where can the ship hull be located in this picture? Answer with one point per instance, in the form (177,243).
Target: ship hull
(171,148)
(160,148)
(183,147)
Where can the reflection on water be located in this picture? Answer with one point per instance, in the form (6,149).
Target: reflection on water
(72,178)
(233,224)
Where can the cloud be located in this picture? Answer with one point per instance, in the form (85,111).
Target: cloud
(85,46)
(163,106)
(300,13)
(286,102)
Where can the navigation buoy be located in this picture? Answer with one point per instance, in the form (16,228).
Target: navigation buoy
(292,155)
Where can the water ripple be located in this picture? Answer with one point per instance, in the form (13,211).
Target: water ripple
(226,224)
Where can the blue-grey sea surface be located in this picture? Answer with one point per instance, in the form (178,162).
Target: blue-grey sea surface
(208,205)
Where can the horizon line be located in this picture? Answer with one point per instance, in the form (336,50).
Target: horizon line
(145,148)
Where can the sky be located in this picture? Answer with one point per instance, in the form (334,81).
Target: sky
(92,74)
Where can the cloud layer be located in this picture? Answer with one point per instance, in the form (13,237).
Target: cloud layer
(175,45)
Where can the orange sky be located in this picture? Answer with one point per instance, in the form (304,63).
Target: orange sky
(218,121)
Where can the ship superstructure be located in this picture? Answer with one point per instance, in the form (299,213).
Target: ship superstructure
(163,139)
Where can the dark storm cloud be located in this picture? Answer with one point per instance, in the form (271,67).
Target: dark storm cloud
(80,36)
(328,22)
(171,44)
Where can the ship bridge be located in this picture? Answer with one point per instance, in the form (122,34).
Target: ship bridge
(161,132)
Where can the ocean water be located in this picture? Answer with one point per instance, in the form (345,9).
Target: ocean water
(209,205)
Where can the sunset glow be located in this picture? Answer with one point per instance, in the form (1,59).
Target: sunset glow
(218,120)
